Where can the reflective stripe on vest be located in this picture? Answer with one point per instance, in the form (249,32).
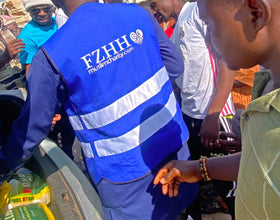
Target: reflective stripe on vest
(129,140)
(119,108)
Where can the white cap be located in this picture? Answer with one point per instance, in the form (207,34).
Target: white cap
(31,3)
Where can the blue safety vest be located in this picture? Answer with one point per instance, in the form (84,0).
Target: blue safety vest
(121,103)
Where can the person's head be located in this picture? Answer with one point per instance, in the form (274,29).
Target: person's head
(243,32)
(40,11)
(145,4)
(165,9)
(69,6)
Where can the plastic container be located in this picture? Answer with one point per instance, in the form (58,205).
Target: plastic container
(72,194)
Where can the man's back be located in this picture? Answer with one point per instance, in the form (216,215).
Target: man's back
(130,113)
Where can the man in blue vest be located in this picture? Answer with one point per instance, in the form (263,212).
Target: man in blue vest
(113,81)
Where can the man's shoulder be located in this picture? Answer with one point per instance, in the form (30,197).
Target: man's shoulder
(27,28)
(25,33)
(189,11)
(189,16)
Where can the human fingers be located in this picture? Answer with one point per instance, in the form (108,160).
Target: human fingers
(209,143)
(19,50)
(223,134)
(163,172)
(202,139)
(167,174)
(18,45)
(208,140)
(170,176)
(176,185)
(232,149)
(230,146)
(232,142)
(16,41)
(173,188)
(164,189)
(14,47)
(205,141)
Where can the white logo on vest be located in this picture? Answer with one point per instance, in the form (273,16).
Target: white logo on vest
(112,51)
(137,37)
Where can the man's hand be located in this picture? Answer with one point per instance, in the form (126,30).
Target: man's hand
(14,47)
(174,173)
(209,131)
(56,118)
(229,142)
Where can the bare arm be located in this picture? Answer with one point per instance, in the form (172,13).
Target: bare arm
(175,172)
(224,168)
(210,127)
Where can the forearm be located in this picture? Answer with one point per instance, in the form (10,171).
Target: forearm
(223,89)
(224,167)
(220,168)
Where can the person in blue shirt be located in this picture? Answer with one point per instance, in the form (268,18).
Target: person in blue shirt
(38,30)
(110,66)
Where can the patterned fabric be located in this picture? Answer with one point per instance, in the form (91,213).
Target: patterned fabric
(241,96)
(258,191)
(16,10)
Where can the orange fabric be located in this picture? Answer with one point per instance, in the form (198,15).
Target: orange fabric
(241,96)
(166,25)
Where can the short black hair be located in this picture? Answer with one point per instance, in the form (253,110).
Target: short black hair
(145,4)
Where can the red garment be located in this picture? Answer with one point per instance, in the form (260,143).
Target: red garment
(169,31)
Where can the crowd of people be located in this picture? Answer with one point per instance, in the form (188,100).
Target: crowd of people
(157,95)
